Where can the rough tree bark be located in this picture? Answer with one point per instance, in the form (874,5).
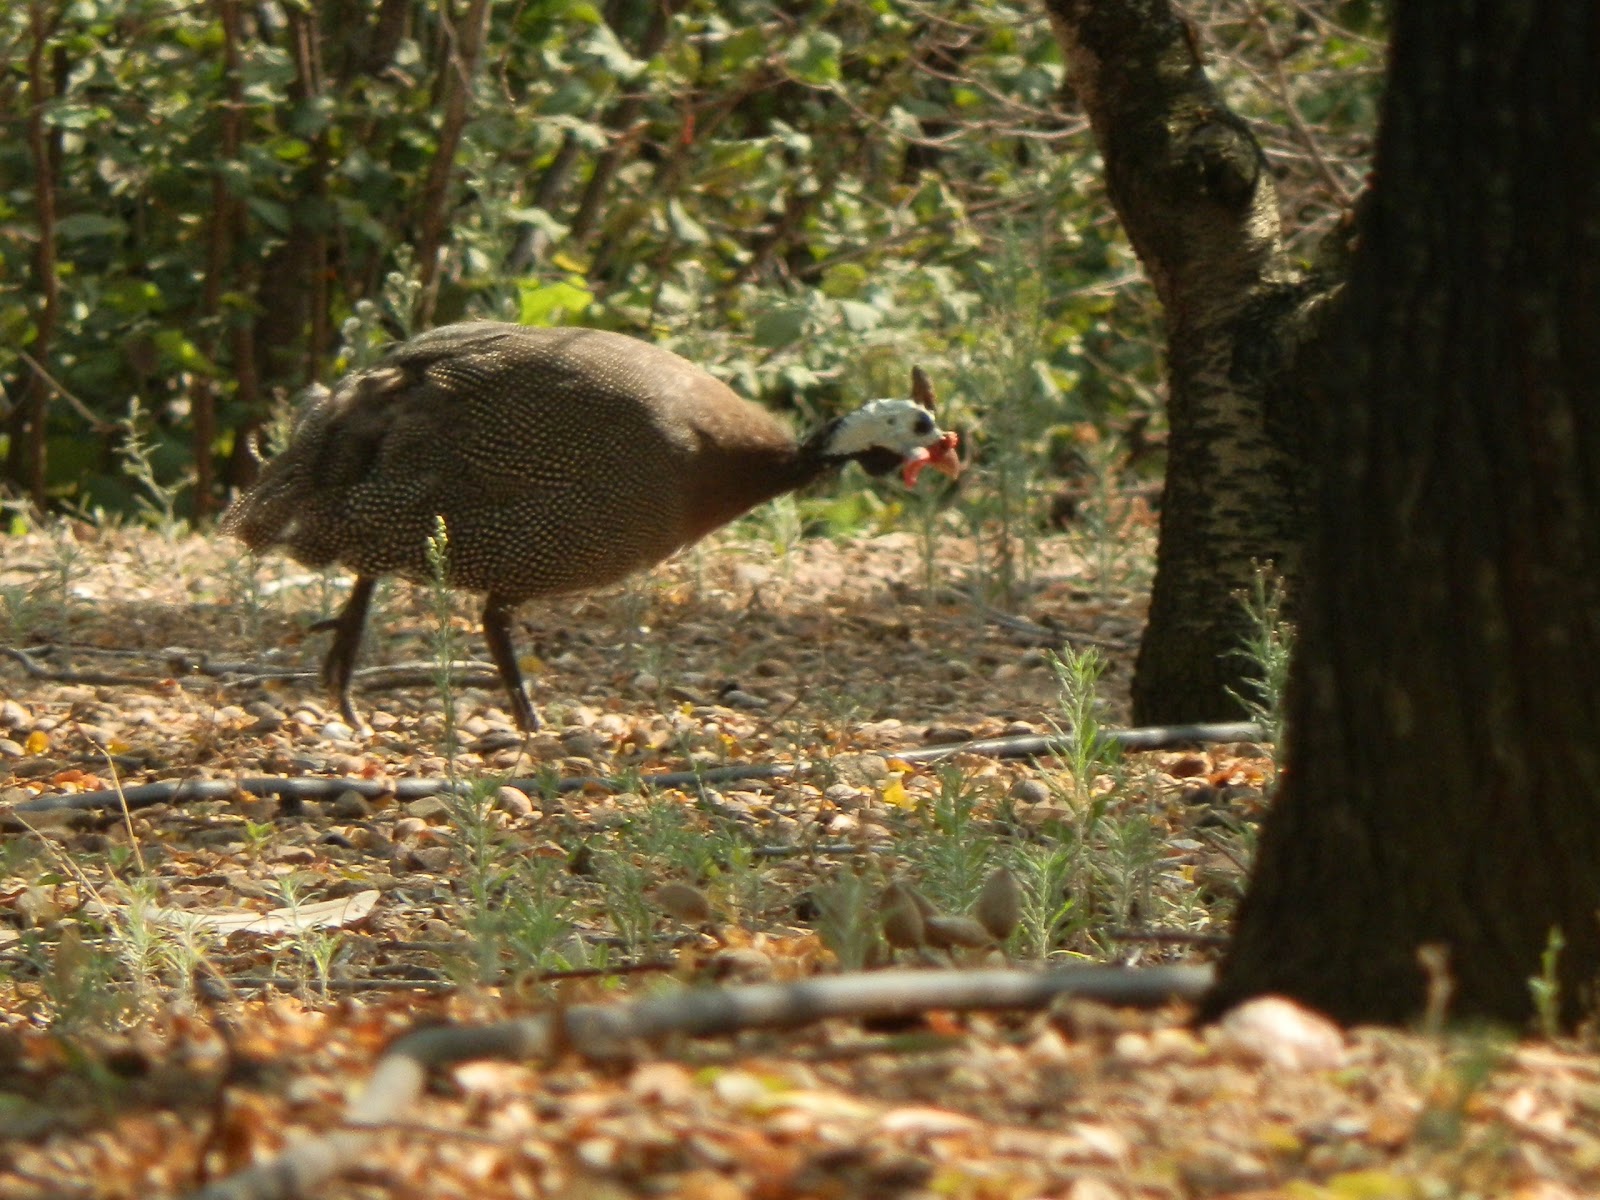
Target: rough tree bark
(1445,717)
(1192,191)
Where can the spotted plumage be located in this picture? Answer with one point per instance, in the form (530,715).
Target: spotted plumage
(559,459)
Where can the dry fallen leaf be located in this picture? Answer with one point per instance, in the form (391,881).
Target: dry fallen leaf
(325,914)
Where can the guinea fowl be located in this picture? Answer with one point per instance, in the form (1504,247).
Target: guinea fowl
(558,459)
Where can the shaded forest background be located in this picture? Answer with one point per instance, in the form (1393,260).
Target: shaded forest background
(205,207)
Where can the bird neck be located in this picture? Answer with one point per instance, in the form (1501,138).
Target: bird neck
(728,486)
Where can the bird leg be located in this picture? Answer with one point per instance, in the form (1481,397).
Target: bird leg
(340,664)
(497,633)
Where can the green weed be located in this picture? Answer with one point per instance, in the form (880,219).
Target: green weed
(1269,649)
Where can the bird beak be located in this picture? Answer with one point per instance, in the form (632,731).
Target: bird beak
(943,456)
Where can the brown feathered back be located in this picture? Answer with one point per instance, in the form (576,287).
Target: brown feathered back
(559,458)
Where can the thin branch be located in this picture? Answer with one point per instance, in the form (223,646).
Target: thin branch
(609,1032)
(463,50)
(96,424)
(1308,138)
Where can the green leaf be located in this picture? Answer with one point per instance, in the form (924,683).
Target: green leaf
(603,44)
(79,226)
(179,352)
(270,213)
(778,327)
(814,58)
(76,116)
(859,317)
(799,377)
(553,303)
(132,297)
(684,226)
(291,149)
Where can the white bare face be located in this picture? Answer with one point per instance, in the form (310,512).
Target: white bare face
(896,425)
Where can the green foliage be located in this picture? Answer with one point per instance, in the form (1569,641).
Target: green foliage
(1545,987)
(806,198)
(1089,753)
(1268,648)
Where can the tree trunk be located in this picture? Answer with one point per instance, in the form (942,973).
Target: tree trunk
(28,426)
(1445,715)
(458,78)
(1191,188)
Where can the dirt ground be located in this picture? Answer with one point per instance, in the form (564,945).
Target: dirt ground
(146,1055)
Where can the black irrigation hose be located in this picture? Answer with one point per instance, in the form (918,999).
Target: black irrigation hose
(317,787)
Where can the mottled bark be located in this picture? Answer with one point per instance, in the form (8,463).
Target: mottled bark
(1192,191)
(1445,718)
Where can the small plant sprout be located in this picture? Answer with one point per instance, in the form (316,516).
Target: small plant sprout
(1047,911)
(157,501)
(1545,987)
(1104,531)
(443,640)
(1089,753)
(847,921)
(1268,647)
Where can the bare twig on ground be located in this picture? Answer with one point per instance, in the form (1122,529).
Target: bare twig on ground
(606,1032)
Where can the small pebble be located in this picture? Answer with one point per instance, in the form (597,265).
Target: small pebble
(428,808)
(741,964)
(687,904)
(943,735)
(580,743)
(843,795)
(514,801)
(860,770)
(263,710)
(494,741)
(34,768)
(545,747)
(350,806)
(1029,790)
(373,842)
(433,859)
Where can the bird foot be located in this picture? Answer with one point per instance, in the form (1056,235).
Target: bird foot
(523,712)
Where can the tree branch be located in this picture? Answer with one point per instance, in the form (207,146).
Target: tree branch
(610,1032)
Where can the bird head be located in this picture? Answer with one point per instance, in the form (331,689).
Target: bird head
(888,434)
